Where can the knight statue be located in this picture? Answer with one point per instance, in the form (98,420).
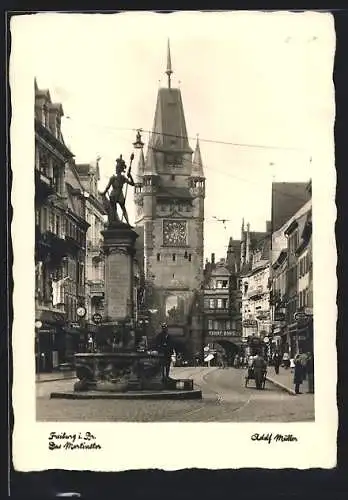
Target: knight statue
(116,196)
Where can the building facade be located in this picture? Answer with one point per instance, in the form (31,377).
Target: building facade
(299,283)
(89,175)
(60,238)
(292,283)
(254,282)
(222,316)
(169,198)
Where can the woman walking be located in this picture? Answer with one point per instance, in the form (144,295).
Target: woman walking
(298,374)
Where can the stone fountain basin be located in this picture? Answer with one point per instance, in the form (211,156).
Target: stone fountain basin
(124,371)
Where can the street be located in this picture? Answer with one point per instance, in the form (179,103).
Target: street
(225,399)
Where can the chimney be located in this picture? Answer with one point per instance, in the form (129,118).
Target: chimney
(213,258)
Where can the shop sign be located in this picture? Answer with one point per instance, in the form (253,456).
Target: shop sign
(75,324)
(302,337)
(263,316)
(222,333)
(279,316)
(300,316)
(97,318)
(249,323)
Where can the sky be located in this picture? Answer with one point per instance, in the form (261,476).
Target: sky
(261,82)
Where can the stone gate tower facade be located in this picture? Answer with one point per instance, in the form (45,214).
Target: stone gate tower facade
(169,198)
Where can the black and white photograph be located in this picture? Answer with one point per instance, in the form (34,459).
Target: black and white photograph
(169,264)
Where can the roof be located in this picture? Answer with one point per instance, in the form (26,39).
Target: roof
(150,167)
(86,169)
(287,199)
(169,127)
(174,192)
(140,167)
(83,169)
(197,164)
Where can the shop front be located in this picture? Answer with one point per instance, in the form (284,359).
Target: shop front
(75,340)
(48,334)
(301,336)
(305,335)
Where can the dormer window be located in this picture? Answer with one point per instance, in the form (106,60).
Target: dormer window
(44,116)
(58,123)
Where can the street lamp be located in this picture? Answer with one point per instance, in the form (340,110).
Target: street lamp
(138,144)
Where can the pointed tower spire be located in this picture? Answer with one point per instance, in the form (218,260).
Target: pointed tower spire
(197,164)
(150,162)
(140,168)
(169,70)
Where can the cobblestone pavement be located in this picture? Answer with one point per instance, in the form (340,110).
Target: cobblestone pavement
(225,399)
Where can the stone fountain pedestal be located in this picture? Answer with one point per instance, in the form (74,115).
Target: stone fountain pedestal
(123,373)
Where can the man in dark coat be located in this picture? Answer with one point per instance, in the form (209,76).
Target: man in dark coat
(165,346)
(259,365)
(298,374)
(277,359)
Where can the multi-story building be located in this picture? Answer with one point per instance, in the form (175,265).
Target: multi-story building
(278,300)
(89,175)
(59,240)
(254,282)
(299,281)
(291,276)
(169,198)
(222,317)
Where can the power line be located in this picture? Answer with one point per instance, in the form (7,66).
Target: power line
(212,141)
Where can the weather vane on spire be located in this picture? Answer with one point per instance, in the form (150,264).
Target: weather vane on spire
(169,70)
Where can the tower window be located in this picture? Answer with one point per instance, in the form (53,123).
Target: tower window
(173,177)
(174,257)
(158,257)
(189,257)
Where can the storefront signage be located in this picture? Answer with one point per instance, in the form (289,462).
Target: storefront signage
(263,315)
(97,318)
(249,323)
(223,333)
(300,316)
(75,324)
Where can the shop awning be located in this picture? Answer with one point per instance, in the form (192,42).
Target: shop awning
(74,331)
(47,316)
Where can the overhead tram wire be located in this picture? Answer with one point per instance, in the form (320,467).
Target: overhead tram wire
(212,141)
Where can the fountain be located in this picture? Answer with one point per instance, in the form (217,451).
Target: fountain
(124,371)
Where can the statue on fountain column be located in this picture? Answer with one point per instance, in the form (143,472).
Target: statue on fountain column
(116,197)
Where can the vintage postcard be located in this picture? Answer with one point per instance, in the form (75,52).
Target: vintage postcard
(173,235)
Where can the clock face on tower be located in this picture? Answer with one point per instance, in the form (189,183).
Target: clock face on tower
(174,233)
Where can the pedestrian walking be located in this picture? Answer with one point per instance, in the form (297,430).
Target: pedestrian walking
(259,365)
(310,372)
(292,364)
(298,374)
(276,362)
(286,360)
(165,346)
